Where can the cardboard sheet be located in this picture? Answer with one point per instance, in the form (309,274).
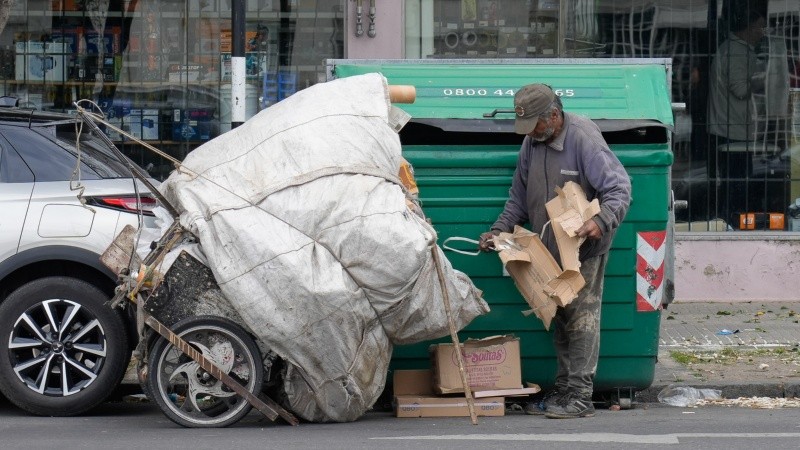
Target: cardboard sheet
(544,283)
(568,212)
(414,397)
(532,267)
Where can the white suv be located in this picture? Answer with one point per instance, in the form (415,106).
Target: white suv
(63,350)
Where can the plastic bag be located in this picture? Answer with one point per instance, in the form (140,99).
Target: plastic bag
(686,395)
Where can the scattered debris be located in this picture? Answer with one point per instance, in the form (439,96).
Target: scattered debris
(726,331)
(135,398)
(752,402)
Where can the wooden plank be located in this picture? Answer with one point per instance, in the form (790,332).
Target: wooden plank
(118,255)
(271,411)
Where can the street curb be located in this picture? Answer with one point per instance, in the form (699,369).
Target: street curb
(729,391)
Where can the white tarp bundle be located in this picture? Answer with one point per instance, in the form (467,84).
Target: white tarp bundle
(305,226)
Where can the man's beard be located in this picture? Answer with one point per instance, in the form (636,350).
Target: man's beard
(544,135)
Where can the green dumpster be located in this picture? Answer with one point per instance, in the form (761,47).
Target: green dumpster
(463,148)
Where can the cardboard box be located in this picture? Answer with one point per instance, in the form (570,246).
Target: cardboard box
(413,390)
(426,406)
(491,363)
(412,382)
(38,61)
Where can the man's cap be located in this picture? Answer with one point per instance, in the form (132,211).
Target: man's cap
(529,103)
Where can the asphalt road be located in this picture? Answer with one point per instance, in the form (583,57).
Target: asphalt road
(142,426)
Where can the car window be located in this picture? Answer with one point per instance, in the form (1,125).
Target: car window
(12,168)
(94,151)
(48,161)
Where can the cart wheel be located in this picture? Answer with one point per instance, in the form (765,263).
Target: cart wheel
(625,403)
(190,396)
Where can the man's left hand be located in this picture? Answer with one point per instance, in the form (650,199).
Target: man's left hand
(590,230)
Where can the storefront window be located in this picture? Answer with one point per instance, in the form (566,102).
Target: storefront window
(160,69)
(735,66)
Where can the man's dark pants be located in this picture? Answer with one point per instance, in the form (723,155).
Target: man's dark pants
(577,332)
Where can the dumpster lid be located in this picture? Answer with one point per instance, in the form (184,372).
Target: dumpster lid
(477,95)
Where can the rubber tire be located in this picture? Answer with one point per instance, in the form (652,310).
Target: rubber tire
(162,344)
(95,301)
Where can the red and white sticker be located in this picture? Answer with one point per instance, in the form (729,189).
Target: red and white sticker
(650,250)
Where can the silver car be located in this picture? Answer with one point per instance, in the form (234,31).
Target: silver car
(63,350)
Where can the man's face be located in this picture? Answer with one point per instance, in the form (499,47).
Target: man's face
(544,129)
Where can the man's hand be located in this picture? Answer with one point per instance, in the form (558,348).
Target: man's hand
(590,230)
(486,244)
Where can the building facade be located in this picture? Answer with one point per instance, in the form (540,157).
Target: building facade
(160,70)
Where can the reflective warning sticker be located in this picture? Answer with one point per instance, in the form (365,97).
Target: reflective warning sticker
(650,250)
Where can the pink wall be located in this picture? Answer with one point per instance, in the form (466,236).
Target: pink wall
(721,269)
(389,31)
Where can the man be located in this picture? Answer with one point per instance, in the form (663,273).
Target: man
(736,73)
(561,147)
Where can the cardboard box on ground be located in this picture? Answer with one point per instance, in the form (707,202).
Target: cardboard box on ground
(491,363)
(544,283)
(414,396)
(493,372)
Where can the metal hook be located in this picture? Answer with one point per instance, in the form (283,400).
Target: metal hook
(371,32)
(359,14)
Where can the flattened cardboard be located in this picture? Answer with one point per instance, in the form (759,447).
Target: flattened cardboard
(532,267)
(118,255)
(539,278)
(424,406)
(568,211)
(507,392)
(413,390)
(490,363)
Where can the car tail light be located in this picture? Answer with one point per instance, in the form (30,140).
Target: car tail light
(127,203)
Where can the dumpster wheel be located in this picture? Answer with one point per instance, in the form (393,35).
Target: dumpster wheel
(189,395)
(622,397)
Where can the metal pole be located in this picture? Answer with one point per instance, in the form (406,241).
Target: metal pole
(238,68)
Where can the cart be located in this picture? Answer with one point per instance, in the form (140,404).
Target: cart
(201,370)
(194,359)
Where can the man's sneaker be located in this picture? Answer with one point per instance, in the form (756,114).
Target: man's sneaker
(571,406)
(551,398)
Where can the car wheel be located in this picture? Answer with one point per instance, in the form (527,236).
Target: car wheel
(64,350)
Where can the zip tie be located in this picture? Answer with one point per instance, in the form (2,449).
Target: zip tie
(461,239)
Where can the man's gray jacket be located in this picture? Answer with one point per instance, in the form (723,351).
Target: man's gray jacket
(580,154)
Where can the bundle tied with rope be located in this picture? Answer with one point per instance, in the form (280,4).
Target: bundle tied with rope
(304,222)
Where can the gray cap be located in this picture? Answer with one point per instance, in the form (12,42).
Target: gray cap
(529,103)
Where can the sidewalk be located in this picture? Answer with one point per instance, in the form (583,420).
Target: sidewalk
(745,349)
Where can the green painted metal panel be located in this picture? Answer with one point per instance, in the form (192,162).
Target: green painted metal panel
(463,189)
(452,90)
